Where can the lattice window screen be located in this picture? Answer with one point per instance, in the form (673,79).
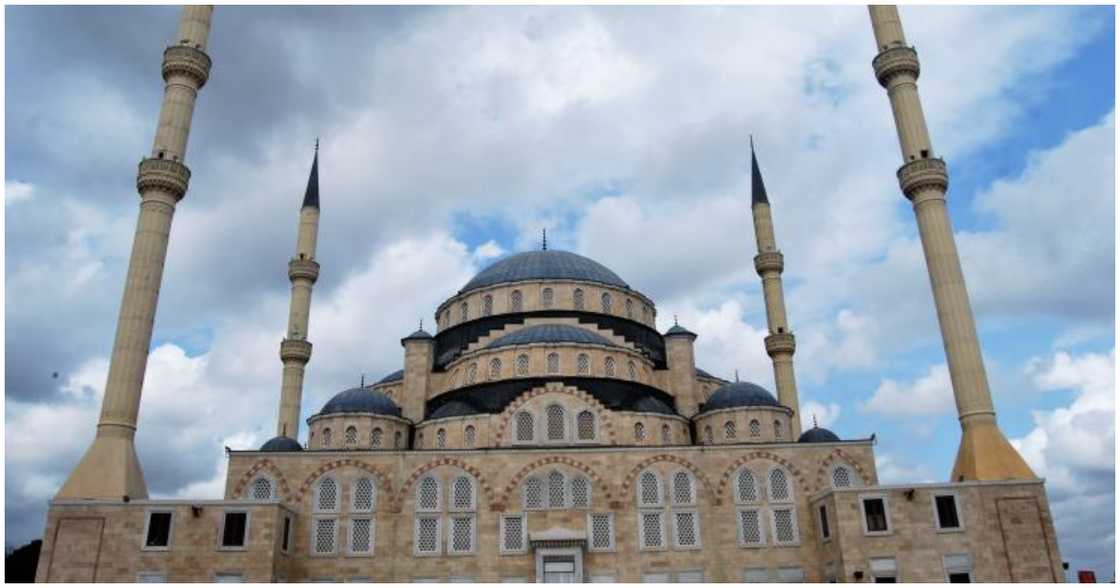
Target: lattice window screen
(779,485)
(534,493)
(652,534)
(577,299)
(327,437)
(375,438)
(472,373)
(441,439)
(325,535)
(553,363)
(524,426)
(556,490)
(583,365)
(606,302)
(463,494)
(262,489)
(747,489)
(515,301)
(639,432)
(777,430)
(462,534)
(495,368)
(513,533)
(546,298)
(427,535)
(841,478)
(351,435)
(784,531)
(522,365)
(364,495)
(581,492)
(585,426)
(648,491)
(756,428)
(686,527)
(683,492)
(602,535)
(666,435)
(487,305)
(468,436)
(729,429)
(555,417)
(608,367)
(427,494)
(633,369)
(361,535)
(328,495)
(629,308)
(750,528)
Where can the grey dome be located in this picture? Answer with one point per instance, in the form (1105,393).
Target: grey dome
(393,377)
(550,334)
(739,394)
(678,330)
(818,435)
(280,444)
(453,409)
(361,400)
(417,334)
(651,404)
(544,265)
(706,374)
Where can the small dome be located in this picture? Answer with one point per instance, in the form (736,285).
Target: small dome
(818,435)
(393,377)
(361,400)
(417,334)
(706,374)
(678,330)
(453,409)
(550,334)
(280,444)
(739,394)
(652,404)
(544,265)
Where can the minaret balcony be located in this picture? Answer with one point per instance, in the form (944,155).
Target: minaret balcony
(306,269)
(894,62)
(923,174)
(163,174)
(188,61)
(769,261)
(297,349)
(780,343)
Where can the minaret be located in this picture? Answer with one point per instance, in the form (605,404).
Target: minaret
(769,264)
(303,270)
(985,453)
(110,468)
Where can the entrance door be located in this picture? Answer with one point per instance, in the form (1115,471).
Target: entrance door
(559,569)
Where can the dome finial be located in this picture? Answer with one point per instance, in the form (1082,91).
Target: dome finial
(363,384)
(814,419)
(675,323)
(736,376)
(421,325)
(544,239)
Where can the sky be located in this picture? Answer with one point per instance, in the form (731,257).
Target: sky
(452,135)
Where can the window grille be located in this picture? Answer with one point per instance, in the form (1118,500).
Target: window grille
(463,314)
(841,477)
(546,298)
(427,494)
(522,365)
(351,436)
(364,495)
(606,303)
(777,430)
(534,493)
(553,363)
(524,426)
(581,492)
(750,528)
(472,373)
(633,369)
(583,365)
(513,533)
(555,490)
(687,534)
(495,368)
(747,490)
(397,440)
(427,535)
(262,489)
(325,533)
(462,535)
(608,367)
(779,485)
(639,432)
(361,535)
(515,301)
(708,435)
(327,437)
(555,417)
(784,529)
(648,490)
(487,305)
(666,435)
(468,436)
(683,491)
(462,494)
(577,299)
(585,426)
(629,308)
(756,428)
(328,495)
(441,439)
(729,429)
(375,438)
(652,530)
(602,532)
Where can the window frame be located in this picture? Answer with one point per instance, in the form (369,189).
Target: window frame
(546,423)
(937,514)
(372,536)
(244,537)
(823,524)
(851,476)
(354,495)
(610,533)
(760,513)
(170,530)
(416,506)
(286,542)
(473,506)
(695,528)
(872,574)
(467,516)
(314,532)
(758,490)
(793,523)
(502,549)
(863,498)
(594,426)
(533,422)
(272,494)
(660,513)
(950,570)
(337,497)
(416,518)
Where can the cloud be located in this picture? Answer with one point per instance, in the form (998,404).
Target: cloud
(892,472)
(930,394)
(824,414)
(15,191)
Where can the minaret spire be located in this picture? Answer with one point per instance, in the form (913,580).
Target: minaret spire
(110,469)
(303,271)
(984,454)
(544,239)
(769,263)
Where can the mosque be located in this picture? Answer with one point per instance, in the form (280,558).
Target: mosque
(548,432)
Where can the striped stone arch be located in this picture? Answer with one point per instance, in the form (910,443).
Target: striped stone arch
(725,479)
(282,489)
(511,489)
(602,413)
(628,481)
(838,455)
(380,475)
(406,487)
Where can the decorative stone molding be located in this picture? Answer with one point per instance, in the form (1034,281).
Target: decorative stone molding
(282,490)
(923,174)
(602,415)
(382,477)
(780,343)
(895,62)
(295,349)
(838,455)
(769,261)
(402,494)
(511,488)
(188,61)
(628,481)
(306,269)
(725,479)
(163,174)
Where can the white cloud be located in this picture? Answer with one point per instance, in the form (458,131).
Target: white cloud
(487,251)
(892,472)
(825,414)
(15,191)
(930,394)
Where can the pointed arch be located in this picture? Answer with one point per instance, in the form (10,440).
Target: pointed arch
(380,476)
(798,480)
(283,492)
(836,456)
(512,488)
(603,418)
(697,473)
(402,493)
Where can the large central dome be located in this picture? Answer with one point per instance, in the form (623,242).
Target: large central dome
(544,265)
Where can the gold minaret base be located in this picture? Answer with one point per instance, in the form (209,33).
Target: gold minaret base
(985,454)
(109,469)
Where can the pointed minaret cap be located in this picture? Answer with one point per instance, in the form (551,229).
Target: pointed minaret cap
(311,196)
(758,189)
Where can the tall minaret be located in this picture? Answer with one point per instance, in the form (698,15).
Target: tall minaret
(303,270)
(769,264)
(985,453)
(110,468)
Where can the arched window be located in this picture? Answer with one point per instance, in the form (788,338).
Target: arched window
(397,440)
(462,494)
(779,486)
(645,314)
(327,437)
(447,318)
(556,490)
(756,428)
(427,494)
(463,314)
(553,363)
(495,368)
(666,435)
(441,439)
(746,490)
(455,378)
(585,426)
(525,426)
(326,495)
(533,497)
(351,436)
(364,495)
(684,491)
(729,429)
(375,438)
(583,365)
(487,305)
(633,369)
(629,308)
(649,489)
(472,373)
(686,520)
(639,432)
(577,299)
(606,302)
(555,424)
(261,489)
(468,436)
(581,492)
(546,298)
(777,429)
(608,367)
(515,301)
(522,365)
(841,477)
(708,435)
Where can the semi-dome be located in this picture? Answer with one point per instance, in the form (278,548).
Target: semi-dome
(651,404)
(739,394)
(453,409)
(550,334)
(361,400)
(818,435)
(281,443)
(544,265)
(393,377)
